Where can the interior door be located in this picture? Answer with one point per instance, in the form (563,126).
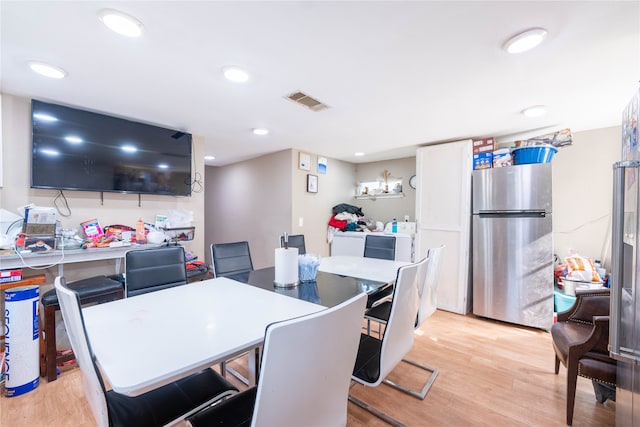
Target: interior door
(443,213)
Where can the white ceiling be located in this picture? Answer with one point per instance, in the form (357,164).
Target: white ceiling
(395,74)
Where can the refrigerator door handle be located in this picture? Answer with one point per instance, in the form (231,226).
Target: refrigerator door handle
(520,214)
(617,256)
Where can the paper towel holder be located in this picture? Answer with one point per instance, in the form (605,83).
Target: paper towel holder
(286,282)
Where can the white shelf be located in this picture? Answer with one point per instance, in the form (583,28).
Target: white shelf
(380,196)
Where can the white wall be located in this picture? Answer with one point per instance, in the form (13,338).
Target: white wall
(250,200)
(334,187)
(116,209)
(381,209)
(582,193)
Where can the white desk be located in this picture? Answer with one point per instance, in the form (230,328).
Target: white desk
(150,340)
(380,270)
(60,257)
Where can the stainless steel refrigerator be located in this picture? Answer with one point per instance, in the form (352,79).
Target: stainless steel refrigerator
(512,255)
(624,323)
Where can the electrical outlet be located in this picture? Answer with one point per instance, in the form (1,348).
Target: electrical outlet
(300,222)
(406,218)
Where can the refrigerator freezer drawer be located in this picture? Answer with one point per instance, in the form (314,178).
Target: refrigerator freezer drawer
(515,188)
(513,270)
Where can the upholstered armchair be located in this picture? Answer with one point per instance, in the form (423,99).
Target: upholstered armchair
(580,340)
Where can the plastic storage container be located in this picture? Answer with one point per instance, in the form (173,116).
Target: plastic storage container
(533,154)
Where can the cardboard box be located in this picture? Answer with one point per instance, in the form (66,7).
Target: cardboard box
(485,145)
(9,276)
(483,161)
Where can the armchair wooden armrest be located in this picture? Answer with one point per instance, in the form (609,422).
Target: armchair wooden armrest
(589,303)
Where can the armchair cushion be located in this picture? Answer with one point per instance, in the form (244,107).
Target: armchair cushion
(597,368)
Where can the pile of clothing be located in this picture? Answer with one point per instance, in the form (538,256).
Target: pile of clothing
(347,218)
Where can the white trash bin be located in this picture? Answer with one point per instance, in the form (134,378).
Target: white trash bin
(21,340)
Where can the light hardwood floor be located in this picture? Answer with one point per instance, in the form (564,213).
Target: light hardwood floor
(491,374)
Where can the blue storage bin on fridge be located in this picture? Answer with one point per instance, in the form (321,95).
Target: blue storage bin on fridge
(533,154)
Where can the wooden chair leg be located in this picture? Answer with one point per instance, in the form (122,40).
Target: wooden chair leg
(43,359)
(50,343)
(572,379)
(557,365)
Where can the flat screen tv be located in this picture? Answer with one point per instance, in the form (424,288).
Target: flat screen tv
(74,149)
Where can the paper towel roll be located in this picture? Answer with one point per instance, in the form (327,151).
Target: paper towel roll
(286,264)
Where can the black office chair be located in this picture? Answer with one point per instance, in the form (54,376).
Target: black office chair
(378,357)
(150,270)
(305,374)
(165,405)
(382,247)
(295,241)
(231,259)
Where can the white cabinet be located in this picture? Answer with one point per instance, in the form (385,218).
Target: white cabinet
(352,243)
(443,213)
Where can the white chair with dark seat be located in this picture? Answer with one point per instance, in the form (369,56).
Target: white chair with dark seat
(382,247)
(163,406)
(378,357)
(305,374)
(231,259)
(150,270)
(428,291)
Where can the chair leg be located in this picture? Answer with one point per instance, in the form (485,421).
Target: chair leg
(557,365)
(425,389)
(384,417)
(50,343)
(572,379)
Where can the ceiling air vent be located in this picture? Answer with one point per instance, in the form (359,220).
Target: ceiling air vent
(307,101)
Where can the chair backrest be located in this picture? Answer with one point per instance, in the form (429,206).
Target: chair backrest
(382,247)
(74,323)
(428,286)
(150,270)
(295,241)
(230,258)
(306,366)
(397,339)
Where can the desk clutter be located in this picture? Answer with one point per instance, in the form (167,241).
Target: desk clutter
(37,229)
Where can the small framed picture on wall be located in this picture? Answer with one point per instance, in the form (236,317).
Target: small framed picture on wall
(304,161)
(312,183)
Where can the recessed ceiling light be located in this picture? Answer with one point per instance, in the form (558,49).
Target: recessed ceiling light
(358,154)
(121,23)
(261,131)
(47,70)
(535,111)
(235,74)
(209,157)
(525,41)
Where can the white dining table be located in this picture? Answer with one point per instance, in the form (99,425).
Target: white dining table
(144,342)
(381,270)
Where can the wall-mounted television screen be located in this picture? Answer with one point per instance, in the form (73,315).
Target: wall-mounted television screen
(73,149)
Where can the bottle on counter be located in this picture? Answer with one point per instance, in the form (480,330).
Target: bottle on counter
(140,236)
(394,226)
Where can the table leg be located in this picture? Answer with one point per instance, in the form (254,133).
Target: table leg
(254,366)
